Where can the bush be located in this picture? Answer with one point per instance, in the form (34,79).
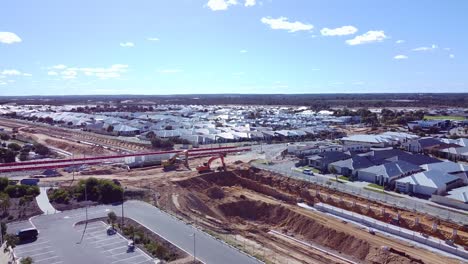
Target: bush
(161,143)
(41,149)
(18,191)
(3,183)
(60,196)
(14,147)
(99,190)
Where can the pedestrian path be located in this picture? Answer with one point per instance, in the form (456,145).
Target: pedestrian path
(43,202)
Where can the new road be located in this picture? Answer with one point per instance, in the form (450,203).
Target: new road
(59,240)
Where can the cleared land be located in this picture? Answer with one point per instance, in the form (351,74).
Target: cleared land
(444,117)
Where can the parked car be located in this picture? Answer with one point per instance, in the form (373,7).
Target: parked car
(27,234)
(308,172)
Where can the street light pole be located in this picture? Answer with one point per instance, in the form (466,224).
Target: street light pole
(194,255)
(123,200)
(86,201)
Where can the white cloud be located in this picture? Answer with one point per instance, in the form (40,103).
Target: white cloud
(432,47)
(400,41)
(217,5)
(9,38)
(284,24)
(170,71)
(447,49)
(127,44)
(11,72)
(341,31)
(315,69)
(400,57)
(27,74)
(153,39)
(114,71)
(243,51)
(452,56)
(368,37)
(69,74)
(58,67)
(249,2)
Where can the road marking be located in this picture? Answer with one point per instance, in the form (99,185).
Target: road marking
(56,262)
(22,252)
(143,261)
(90,228)
(109,244)
(33,245)
(99,241)
(121,253)
(114,248)
(33,255)
(36,261)
(137,256)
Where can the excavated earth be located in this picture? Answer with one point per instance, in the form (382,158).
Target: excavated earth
(251,203)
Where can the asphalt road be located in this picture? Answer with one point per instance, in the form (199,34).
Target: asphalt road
(60,238)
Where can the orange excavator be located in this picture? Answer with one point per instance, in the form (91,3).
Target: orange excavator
(206,167)
(171,164)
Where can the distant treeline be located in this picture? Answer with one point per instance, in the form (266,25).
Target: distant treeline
(314,101)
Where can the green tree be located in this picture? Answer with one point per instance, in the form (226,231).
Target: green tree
(27,260)
(11,242)
(3,183)
(111,218)
(334,172)
(4,202)
(4,228)
(14,146)
(41,149)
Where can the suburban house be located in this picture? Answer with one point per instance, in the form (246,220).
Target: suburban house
(460,194)
(386,173)
(321,161)
(457,169)
(428,124)
(421,145)
(348,167)
(427,183)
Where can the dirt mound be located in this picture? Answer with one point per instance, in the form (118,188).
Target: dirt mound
(282,218)
(215,192)
(285,219)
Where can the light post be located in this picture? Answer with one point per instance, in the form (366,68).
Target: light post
(123,200)
(194,254)
(86,201)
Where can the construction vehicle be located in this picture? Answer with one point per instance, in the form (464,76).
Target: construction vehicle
(172,163)
(206,167)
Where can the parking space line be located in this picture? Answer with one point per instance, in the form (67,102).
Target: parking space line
(99,241)
(41,253)
(98,236)
(56,262)
(89,228)
(36,261)
(143,261)
(126,259)
(144,254)
(101,246)
(22,252)
(32,245)
(114,248)
(121,253)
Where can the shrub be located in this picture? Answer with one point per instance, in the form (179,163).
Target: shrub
(14,147)
(60,196)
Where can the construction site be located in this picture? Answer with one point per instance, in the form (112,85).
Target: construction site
(263,214)
(257,212)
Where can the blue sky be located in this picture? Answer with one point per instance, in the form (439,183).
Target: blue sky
(50,47)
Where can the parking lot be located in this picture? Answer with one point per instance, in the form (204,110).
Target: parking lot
(114,247)
(95,247)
